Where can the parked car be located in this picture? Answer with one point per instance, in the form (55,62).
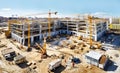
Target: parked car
(76,60)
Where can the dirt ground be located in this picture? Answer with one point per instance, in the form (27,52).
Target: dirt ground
(41,65)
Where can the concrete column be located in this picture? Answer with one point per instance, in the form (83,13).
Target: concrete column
(23,35)
(95,37)
(107,24)
(40,32)
(67,27)
(101,24)
(23,41)
(95,27)
(87,28)
(55,24)
(20,41)
(95,31)
(39,37)
(17,38)
(32,39)
(77,28)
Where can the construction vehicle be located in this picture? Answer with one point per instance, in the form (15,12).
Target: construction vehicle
(42,49)
(19,59)
(80,37)
(54,64)
(8,53)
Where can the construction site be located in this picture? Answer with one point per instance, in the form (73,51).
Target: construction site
(59,45)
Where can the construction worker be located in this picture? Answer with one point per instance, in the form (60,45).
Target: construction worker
(73,64)
(65,60)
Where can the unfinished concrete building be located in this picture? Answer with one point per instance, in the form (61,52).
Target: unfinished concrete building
(81,28)
(38,30)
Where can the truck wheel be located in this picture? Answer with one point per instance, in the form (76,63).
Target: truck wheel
(48,71)
(60,65)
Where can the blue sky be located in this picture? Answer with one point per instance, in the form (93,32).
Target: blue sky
(110,7)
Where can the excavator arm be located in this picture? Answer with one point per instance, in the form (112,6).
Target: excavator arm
(43,51)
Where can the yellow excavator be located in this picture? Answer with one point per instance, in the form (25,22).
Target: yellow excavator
(42,49)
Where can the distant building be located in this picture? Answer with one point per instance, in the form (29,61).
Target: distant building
(114,20)
(96,59)
(114,25)
(3,24)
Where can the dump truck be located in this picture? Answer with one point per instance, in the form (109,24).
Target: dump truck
(19,59)
(54,64)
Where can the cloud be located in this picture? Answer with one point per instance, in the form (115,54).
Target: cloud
(7,12)
(101,14)
(6,9)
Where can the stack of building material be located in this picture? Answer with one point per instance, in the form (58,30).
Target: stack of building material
(64,43)
(72,46)
(2,45)
(30,70)
(19,59)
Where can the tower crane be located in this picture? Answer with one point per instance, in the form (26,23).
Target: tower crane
(49,24)
(26,20)
(90,30)
(90,19)
(49,20)
(28,23)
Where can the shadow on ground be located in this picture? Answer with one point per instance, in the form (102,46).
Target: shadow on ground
(23,65)
(59,69)
(111,66)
